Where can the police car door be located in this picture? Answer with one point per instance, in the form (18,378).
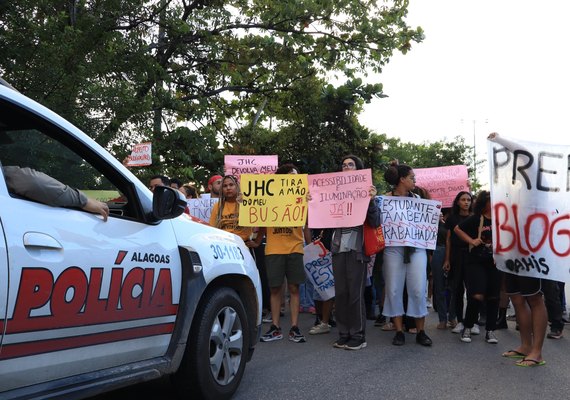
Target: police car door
(80,288)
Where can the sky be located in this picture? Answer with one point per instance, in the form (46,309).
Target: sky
(484,66)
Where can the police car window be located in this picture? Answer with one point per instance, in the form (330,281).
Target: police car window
(25,142)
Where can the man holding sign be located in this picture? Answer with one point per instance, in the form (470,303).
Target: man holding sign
(284,260)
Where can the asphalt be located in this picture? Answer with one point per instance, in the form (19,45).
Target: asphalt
(449,369)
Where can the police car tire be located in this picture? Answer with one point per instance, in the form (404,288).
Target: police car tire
(196,378)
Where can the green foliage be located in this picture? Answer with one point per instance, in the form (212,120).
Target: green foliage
(127,71)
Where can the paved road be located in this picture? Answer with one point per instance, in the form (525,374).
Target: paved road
(449,369)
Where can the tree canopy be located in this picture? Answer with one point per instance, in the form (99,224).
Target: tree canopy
(205,78)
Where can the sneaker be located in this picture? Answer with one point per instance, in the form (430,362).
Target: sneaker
(475,330)
(554,334)
(399,339)
(312,310)
(466,335)
(423,339)
(274,333)
(267,318)
(341,342)
(355,344)
(381,320)
(320,328)
(429,304)
(295,335)
(491,338)
(458,328)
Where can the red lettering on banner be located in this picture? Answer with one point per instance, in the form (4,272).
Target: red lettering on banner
(538,223)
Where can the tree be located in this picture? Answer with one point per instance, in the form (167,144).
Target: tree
(128,71)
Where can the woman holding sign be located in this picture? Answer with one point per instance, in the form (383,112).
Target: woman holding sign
(350,272)
(482,278)
(225,213)
(405,266)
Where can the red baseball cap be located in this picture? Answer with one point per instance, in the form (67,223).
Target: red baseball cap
(214,179)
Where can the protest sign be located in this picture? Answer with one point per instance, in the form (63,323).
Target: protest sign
(273,200)
(339,199)
(443,183)
(410,221)
(201,208)
(318,269)
(239,165)
(141,155)
(531,211)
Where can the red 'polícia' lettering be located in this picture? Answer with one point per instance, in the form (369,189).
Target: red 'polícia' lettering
(34,292)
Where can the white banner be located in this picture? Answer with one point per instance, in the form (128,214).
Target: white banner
(201,208)
(530,188)
(318,268)
(409,221)
(141,155)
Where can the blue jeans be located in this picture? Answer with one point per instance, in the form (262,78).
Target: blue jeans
(439,282)
(306,294)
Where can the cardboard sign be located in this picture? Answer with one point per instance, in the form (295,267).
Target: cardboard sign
(273,200)
(339,199)
(141,155)
(409,221)
(318,269)
(201,208)
(531,211)
(239,165)
(443,183)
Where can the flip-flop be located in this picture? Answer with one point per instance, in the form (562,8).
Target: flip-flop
(533,363)
(513,354)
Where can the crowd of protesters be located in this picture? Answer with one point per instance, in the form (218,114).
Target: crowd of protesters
(461,268)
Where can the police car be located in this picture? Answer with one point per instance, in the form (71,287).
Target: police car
(88,306)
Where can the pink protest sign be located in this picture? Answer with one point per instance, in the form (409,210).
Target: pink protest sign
(141,155)
(238,165)
(443,183)
(339,199)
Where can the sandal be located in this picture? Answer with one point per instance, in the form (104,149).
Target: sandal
(388,326)
(513,354)
(529,362)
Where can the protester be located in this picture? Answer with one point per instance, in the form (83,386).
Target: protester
(175,183)
(158,180)
(455,255)
(284,263)
(532,319)
(439,274)
(483,279)
(215,186)
(324,319)
(350,271)
(189,192)
(405,266)
(225,213)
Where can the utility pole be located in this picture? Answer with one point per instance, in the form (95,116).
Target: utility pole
(474,153)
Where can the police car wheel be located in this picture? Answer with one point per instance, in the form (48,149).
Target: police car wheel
(215,358)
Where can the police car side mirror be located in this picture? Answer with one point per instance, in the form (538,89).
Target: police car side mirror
(167,203)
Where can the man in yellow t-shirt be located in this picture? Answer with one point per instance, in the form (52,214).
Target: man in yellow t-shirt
(284,259)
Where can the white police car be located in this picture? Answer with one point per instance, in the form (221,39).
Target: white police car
(88,306)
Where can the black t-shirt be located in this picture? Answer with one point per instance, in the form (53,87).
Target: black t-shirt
(450,224)
(471,227)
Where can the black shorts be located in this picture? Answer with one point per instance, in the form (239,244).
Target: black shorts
(523,285)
